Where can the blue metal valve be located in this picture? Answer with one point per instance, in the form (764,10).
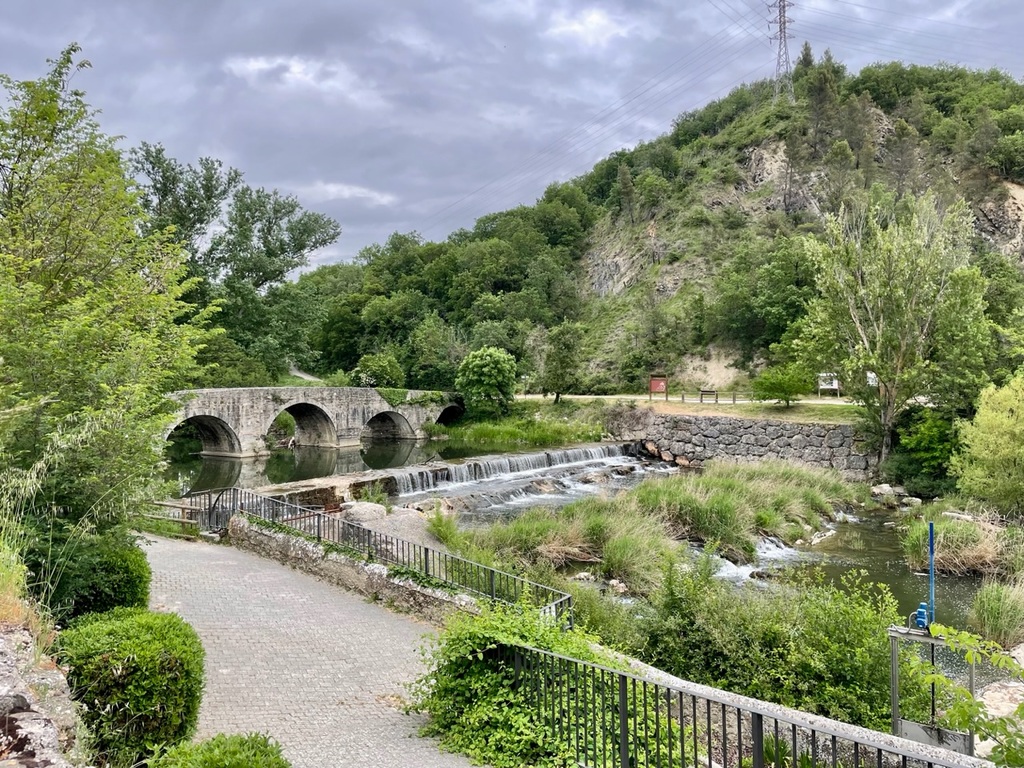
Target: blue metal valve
(921,616)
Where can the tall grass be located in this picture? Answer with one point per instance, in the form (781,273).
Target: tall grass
(961,546)
(19,488)
(611,540)
(534,433)
(628,536)
(997,613)
(732,504)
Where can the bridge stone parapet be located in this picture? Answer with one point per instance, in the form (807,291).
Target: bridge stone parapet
(234,422)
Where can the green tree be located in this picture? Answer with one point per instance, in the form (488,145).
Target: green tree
(902,163)
(487,380)
(784,383)
(890,287)
(241,243)
(841,176)
(563,362)
(434,352)
(91,333)
(990,465)
(627,193)
(379,370)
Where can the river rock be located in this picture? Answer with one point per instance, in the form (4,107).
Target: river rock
(362,511)
(618,587)
(1018,654)
(912,501)
(1000,699)
(821,536)
(880,491)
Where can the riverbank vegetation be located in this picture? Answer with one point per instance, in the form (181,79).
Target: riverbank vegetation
(527,423)
(825,651)
(728,506)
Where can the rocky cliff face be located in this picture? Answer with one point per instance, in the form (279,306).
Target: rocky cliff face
(620,256)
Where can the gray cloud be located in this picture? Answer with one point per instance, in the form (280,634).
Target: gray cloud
(407,115)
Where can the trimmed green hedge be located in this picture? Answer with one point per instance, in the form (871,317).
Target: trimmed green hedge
(252,750)
(140,675)
(89,574)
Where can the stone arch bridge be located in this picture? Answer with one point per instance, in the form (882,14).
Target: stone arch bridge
(234,422)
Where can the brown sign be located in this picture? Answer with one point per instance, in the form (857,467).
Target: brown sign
(659,384)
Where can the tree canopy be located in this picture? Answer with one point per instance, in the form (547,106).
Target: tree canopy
(899,312)
(93,333)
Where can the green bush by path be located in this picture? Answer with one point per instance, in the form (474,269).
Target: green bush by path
(252,750)
(475,706)
(470,696)
(75,574)
(140,676)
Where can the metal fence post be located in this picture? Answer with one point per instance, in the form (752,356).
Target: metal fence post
(491,573)
(757,733)
(623,723)
(427,551)
(319,530)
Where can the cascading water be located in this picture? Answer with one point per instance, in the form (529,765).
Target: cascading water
(438,476)
(490,487)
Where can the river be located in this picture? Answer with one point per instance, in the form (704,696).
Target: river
(485,487)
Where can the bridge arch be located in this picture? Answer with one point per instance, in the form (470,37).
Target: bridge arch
(217,436)
(313,424)
(450,415)
(388,425)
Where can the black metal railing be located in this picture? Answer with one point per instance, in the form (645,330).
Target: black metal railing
(217,507)
(600,718)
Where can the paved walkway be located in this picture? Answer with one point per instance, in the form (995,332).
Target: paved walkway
(316,667)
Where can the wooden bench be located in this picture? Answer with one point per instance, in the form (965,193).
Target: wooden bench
(708,393)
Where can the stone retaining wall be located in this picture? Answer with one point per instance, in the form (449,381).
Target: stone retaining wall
(689,441)
(370,579)
(39,723)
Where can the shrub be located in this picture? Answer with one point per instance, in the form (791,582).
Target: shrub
(784,384)
(85,573)
(997,613)
(991,465)
(338,379)
(810,644)
(140,675)
(379,370)
(469,691)
(253,750)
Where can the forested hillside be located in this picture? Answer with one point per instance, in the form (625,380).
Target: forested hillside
(663,252)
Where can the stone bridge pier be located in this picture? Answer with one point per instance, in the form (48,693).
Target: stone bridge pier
(234,422)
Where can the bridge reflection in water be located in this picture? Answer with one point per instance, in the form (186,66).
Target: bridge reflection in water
(191,472)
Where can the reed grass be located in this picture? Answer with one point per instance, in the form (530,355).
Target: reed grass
(961,546)
(627,537)
(997,613)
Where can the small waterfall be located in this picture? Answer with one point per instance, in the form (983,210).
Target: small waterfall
(440,475)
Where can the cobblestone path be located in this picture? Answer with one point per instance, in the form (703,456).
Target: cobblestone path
(316,667)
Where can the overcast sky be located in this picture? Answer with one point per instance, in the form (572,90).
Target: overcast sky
(400,115)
